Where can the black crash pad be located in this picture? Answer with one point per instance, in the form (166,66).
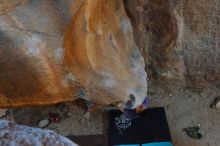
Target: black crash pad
(150,127)
(90,140)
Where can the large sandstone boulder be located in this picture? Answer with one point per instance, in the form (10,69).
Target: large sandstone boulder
(54,51)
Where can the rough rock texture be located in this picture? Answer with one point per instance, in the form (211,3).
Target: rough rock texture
(9,5)
(178,38)
(16,135)
(53,51)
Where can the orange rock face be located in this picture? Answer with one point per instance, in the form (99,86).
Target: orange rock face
(60,51)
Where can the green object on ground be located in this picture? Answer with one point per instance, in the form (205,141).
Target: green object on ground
(193,132)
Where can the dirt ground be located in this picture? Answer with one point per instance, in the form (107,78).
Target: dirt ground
(185,106)
(188,107)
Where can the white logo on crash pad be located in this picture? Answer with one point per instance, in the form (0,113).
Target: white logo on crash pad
(122,122)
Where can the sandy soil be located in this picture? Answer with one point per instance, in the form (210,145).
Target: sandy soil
(188,107)
(185,106)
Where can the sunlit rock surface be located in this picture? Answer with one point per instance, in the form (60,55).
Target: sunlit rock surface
(54,51)
(101,53)
(17,135)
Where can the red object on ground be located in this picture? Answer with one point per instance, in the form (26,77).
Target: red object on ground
(55,117)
